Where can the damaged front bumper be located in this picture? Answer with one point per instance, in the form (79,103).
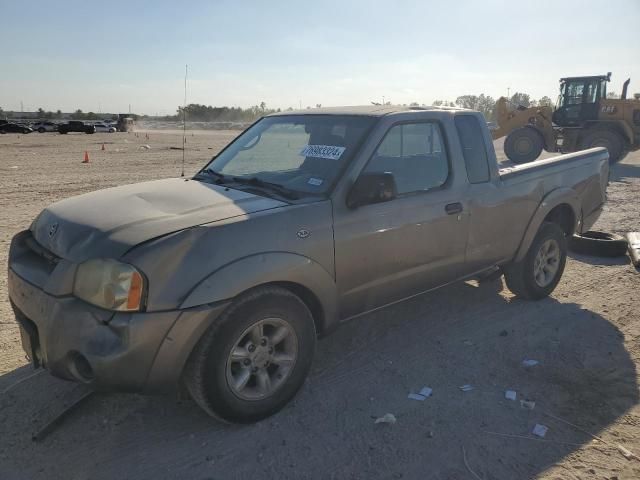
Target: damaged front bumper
(123,351)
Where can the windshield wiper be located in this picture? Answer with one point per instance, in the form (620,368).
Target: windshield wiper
(275,187)
(221,177)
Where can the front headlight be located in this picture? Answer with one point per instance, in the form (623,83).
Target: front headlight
(109,284)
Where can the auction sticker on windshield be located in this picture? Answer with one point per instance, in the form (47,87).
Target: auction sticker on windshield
(323,151)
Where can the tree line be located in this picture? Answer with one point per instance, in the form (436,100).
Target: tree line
(486,104)
(77,115)
(195,112)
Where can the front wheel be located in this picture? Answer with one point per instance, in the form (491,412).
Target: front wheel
(538,274)
(254,358)
(41,130)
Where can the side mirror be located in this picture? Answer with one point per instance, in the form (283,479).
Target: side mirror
(374,187)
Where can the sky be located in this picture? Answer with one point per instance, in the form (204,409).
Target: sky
(105,56)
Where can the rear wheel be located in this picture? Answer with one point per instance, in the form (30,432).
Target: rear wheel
(41,130)
(609,139)
(523,145)
(254,358)
(538,273)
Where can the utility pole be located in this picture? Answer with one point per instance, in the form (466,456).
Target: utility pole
(382,99)
(508,90)
(21,107)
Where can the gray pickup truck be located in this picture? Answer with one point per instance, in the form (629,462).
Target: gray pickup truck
(224,281)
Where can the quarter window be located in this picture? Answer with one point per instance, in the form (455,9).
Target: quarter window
(473,148)
(414,153)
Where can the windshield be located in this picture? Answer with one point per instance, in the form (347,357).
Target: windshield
(301,153)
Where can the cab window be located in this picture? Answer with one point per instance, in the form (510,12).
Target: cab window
(474,150)
(414,153)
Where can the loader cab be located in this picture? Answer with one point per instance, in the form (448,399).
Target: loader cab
(579,100)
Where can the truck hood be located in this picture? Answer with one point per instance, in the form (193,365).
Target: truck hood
(107,223)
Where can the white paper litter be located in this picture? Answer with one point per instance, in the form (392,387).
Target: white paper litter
(146,147)
(540,430)
(530,363)
(421,395)
(426,392)
(386,418)
(510,395)
(416,396)
(528,404)
(466,388)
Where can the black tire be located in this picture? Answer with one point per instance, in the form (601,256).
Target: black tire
(206,372)
(523,145)
(521,277)
(599,244)
(62,132)
(602,137)
(41,130)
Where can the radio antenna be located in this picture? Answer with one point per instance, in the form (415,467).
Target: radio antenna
(184,118)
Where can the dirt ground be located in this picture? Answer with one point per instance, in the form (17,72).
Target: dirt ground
(586,337)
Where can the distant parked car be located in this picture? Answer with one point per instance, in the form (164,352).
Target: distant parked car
(42,127)
(14,128)
(104,128)
(76,126)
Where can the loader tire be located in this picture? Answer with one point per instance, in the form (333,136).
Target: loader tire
(609,139)
(523,145)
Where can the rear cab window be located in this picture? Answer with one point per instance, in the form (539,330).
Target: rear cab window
(474,149)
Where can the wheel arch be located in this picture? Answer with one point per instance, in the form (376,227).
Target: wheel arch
(299,274)
(564,216)
(561,206)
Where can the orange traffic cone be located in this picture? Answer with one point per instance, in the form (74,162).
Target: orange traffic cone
(86,157)
(103,147)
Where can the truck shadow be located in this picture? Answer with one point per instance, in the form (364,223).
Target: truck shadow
(620,171)
(463,334)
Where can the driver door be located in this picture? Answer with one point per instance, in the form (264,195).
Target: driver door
(385,252)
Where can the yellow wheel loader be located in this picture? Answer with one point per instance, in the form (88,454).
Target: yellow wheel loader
(583,118)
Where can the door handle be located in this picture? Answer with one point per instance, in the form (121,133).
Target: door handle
(453,208)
